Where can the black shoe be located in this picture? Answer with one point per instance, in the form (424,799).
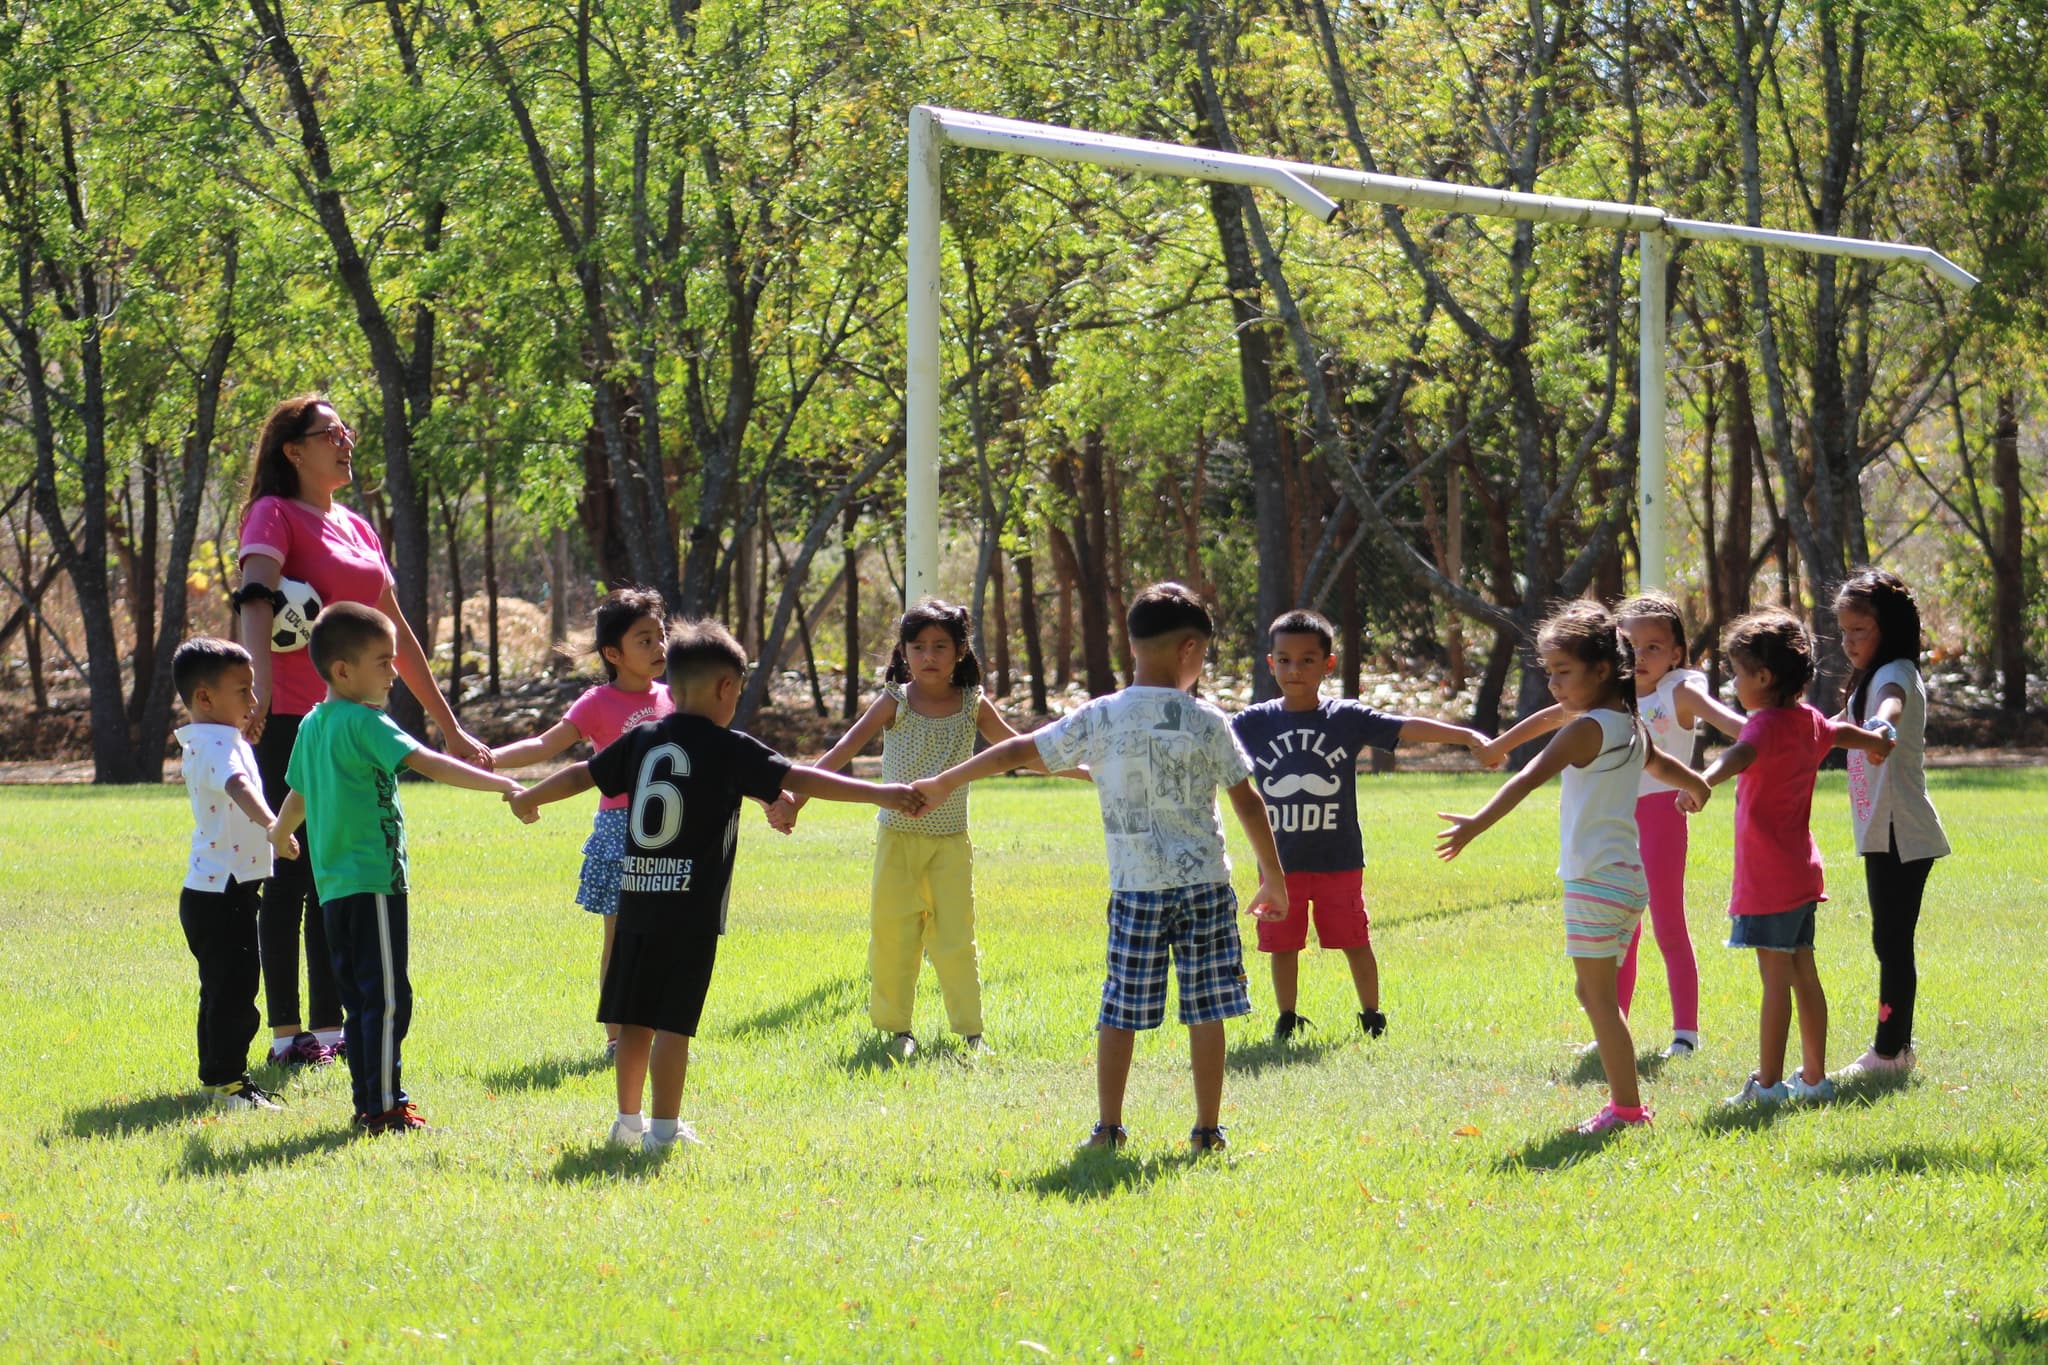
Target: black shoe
(1288,1024)
(1203,1141)
(1372,1022)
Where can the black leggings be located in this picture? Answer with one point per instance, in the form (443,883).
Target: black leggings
(1895,889)
(289,900)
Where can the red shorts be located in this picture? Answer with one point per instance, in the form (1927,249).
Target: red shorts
(1339,900)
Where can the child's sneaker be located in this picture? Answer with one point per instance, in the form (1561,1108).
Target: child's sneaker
(403,1119)
(1755,1092)
(624,1134)
(685,1136)
(1874,1063)
(243,1094)
(1810,1094)
(304,1050)
(902,1047)
(1609,1117)
(977,1046)
(1110,1135)
(1372,1023)
(1206,1140)
(1288,1024)
(1680,1047)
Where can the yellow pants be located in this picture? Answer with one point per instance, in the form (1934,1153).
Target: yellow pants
(923,906)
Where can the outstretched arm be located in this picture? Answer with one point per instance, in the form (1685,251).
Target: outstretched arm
(782,814)
(1422,730)
(455,773)
(1269,902)
(826,786)
(1495,752)
(1878,746)
(1672,773)
(995,728)
(1577,743)
(1019,751)
(1730,763)
(557,738)
(573,780)
(1696,704)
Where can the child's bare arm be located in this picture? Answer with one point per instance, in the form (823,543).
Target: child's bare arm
(248,798)
(995,728)
(1270,901)
(1577,742)
(455,773)
(1891,705)
(1422,730)
(1019,751)
(830,786)
(1878,746)
(1495,751)
(289,817)
(877,718)
(1696,704)
(573,780)
(1731,761)
(556,739)
(1672,773)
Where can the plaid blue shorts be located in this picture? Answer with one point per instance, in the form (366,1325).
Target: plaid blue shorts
(1199,925)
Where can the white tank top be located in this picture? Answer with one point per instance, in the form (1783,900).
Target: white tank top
(1596,815)
(1660,717)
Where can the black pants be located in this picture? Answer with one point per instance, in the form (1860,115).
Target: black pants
(368,936)
(220,929)
(290,899)
(1895,889)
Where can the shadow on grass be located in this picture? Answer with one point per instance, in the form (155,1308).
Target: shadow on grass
(1273,1056)
(116,1117)
(606,1161)
(828,1000)
(1099,1172)
(1586,1068)
(1860,1093)
(202,1158)
(1996,1155)
(2019,1329)
(1555,1151)
(547,1074)
(871,1054)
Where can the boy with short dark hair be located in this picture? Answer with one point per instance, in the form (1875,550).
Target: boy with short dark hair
(1305,747)
(344,781)
(686,773)
(229,861)
(1158,756)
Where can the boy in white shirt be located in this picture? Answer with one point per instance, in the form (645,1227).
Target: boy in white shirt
(1158,757)
(230,860)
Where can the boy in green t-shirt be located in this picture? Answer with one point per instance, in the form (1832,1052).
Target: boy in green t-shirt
(344,785)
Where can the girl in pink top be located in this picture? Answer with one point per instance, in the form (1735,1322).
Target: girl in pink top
(292,527)
(1778,886)
(631,640)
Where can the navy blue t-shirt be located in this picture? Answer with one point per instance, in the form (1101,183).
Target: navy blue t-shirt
(1305,764)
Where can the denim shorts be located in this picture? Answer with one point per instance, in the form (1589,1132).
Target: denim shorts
(1785,932)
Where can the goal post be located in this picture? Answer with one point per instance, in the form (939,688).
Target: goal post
(1318,190)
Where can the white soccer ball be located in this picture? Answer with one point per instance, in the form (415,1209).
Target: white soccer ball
(292,625)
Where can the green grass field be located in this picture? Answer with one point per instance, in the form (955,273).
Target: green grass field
(1409,1198)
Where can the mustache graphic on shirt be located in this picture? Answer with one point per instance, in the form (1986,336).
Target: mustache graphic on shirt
(1280,788)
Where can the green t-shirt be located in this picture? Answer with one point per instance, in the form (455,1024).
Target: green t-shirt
(345,764)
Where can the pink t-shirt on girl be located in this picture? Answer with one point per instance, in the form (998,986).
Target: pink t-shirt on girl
(334,551)
(1777,864)
(606,711)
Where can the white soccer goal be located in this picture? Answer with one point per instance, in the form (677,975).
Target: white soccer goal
(1316,189)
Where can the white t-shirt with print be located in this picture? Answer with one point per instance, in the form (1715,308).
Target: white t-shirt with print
(225,842)
(1659,711)
(1158,755)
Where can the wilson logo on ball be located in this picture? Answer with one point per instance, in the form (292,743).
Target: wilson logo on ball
(292,626)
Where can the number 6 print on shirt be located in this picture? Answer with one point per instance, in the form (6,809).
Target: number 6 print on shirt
(648,791)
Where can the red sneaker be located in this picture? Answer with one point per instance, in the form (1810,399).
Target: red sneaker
(404,1119)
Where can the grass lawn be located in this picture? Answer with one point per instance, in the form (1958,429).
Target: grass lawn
(1406,1198)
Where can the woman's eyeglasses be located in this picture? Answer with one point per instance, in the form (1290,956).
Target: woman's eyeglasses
(339,435)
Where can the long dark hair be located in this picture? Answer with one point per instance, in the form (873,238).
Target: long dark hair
(955,621)
(617,614)
(1586,631)
(1884,596)
(272,474)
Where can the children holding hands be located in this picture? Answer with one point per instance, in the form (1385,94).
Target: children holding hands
(1158,756)
(684,776)
(1601,753)
(1304,749)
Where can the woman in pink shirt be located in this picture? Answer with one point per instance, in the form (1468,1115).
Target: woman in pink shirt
(293,528)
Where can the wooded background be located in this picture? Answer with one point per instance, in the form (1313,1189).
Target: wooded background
(615,294)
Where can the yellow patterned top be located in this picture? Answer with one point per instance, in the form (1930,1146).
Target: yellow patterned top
(916,746)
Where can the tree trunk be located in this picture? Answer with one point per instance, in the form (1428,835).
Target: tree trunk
(558,587)
(1063,625)
(2008,564)
(1083,550)
(1027,616)
(449,512)
(491,579)
(848,523)
(1000,623)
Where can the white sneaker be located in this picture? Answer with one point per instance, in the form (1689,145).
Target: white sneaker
(1680,1047)
(902,1047)
(1755,1092)
(243,1094)
(624,1134)
(1810,1094)
(686,1136)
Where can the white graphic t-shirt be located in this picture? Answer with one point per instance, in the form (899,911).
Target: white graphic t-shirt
(1659,711)
(225,842)
(1158,756)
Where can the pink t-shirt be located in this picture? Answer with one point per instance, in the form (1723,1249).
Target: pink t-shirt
(336,552)
(1777,864)
(605,712)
